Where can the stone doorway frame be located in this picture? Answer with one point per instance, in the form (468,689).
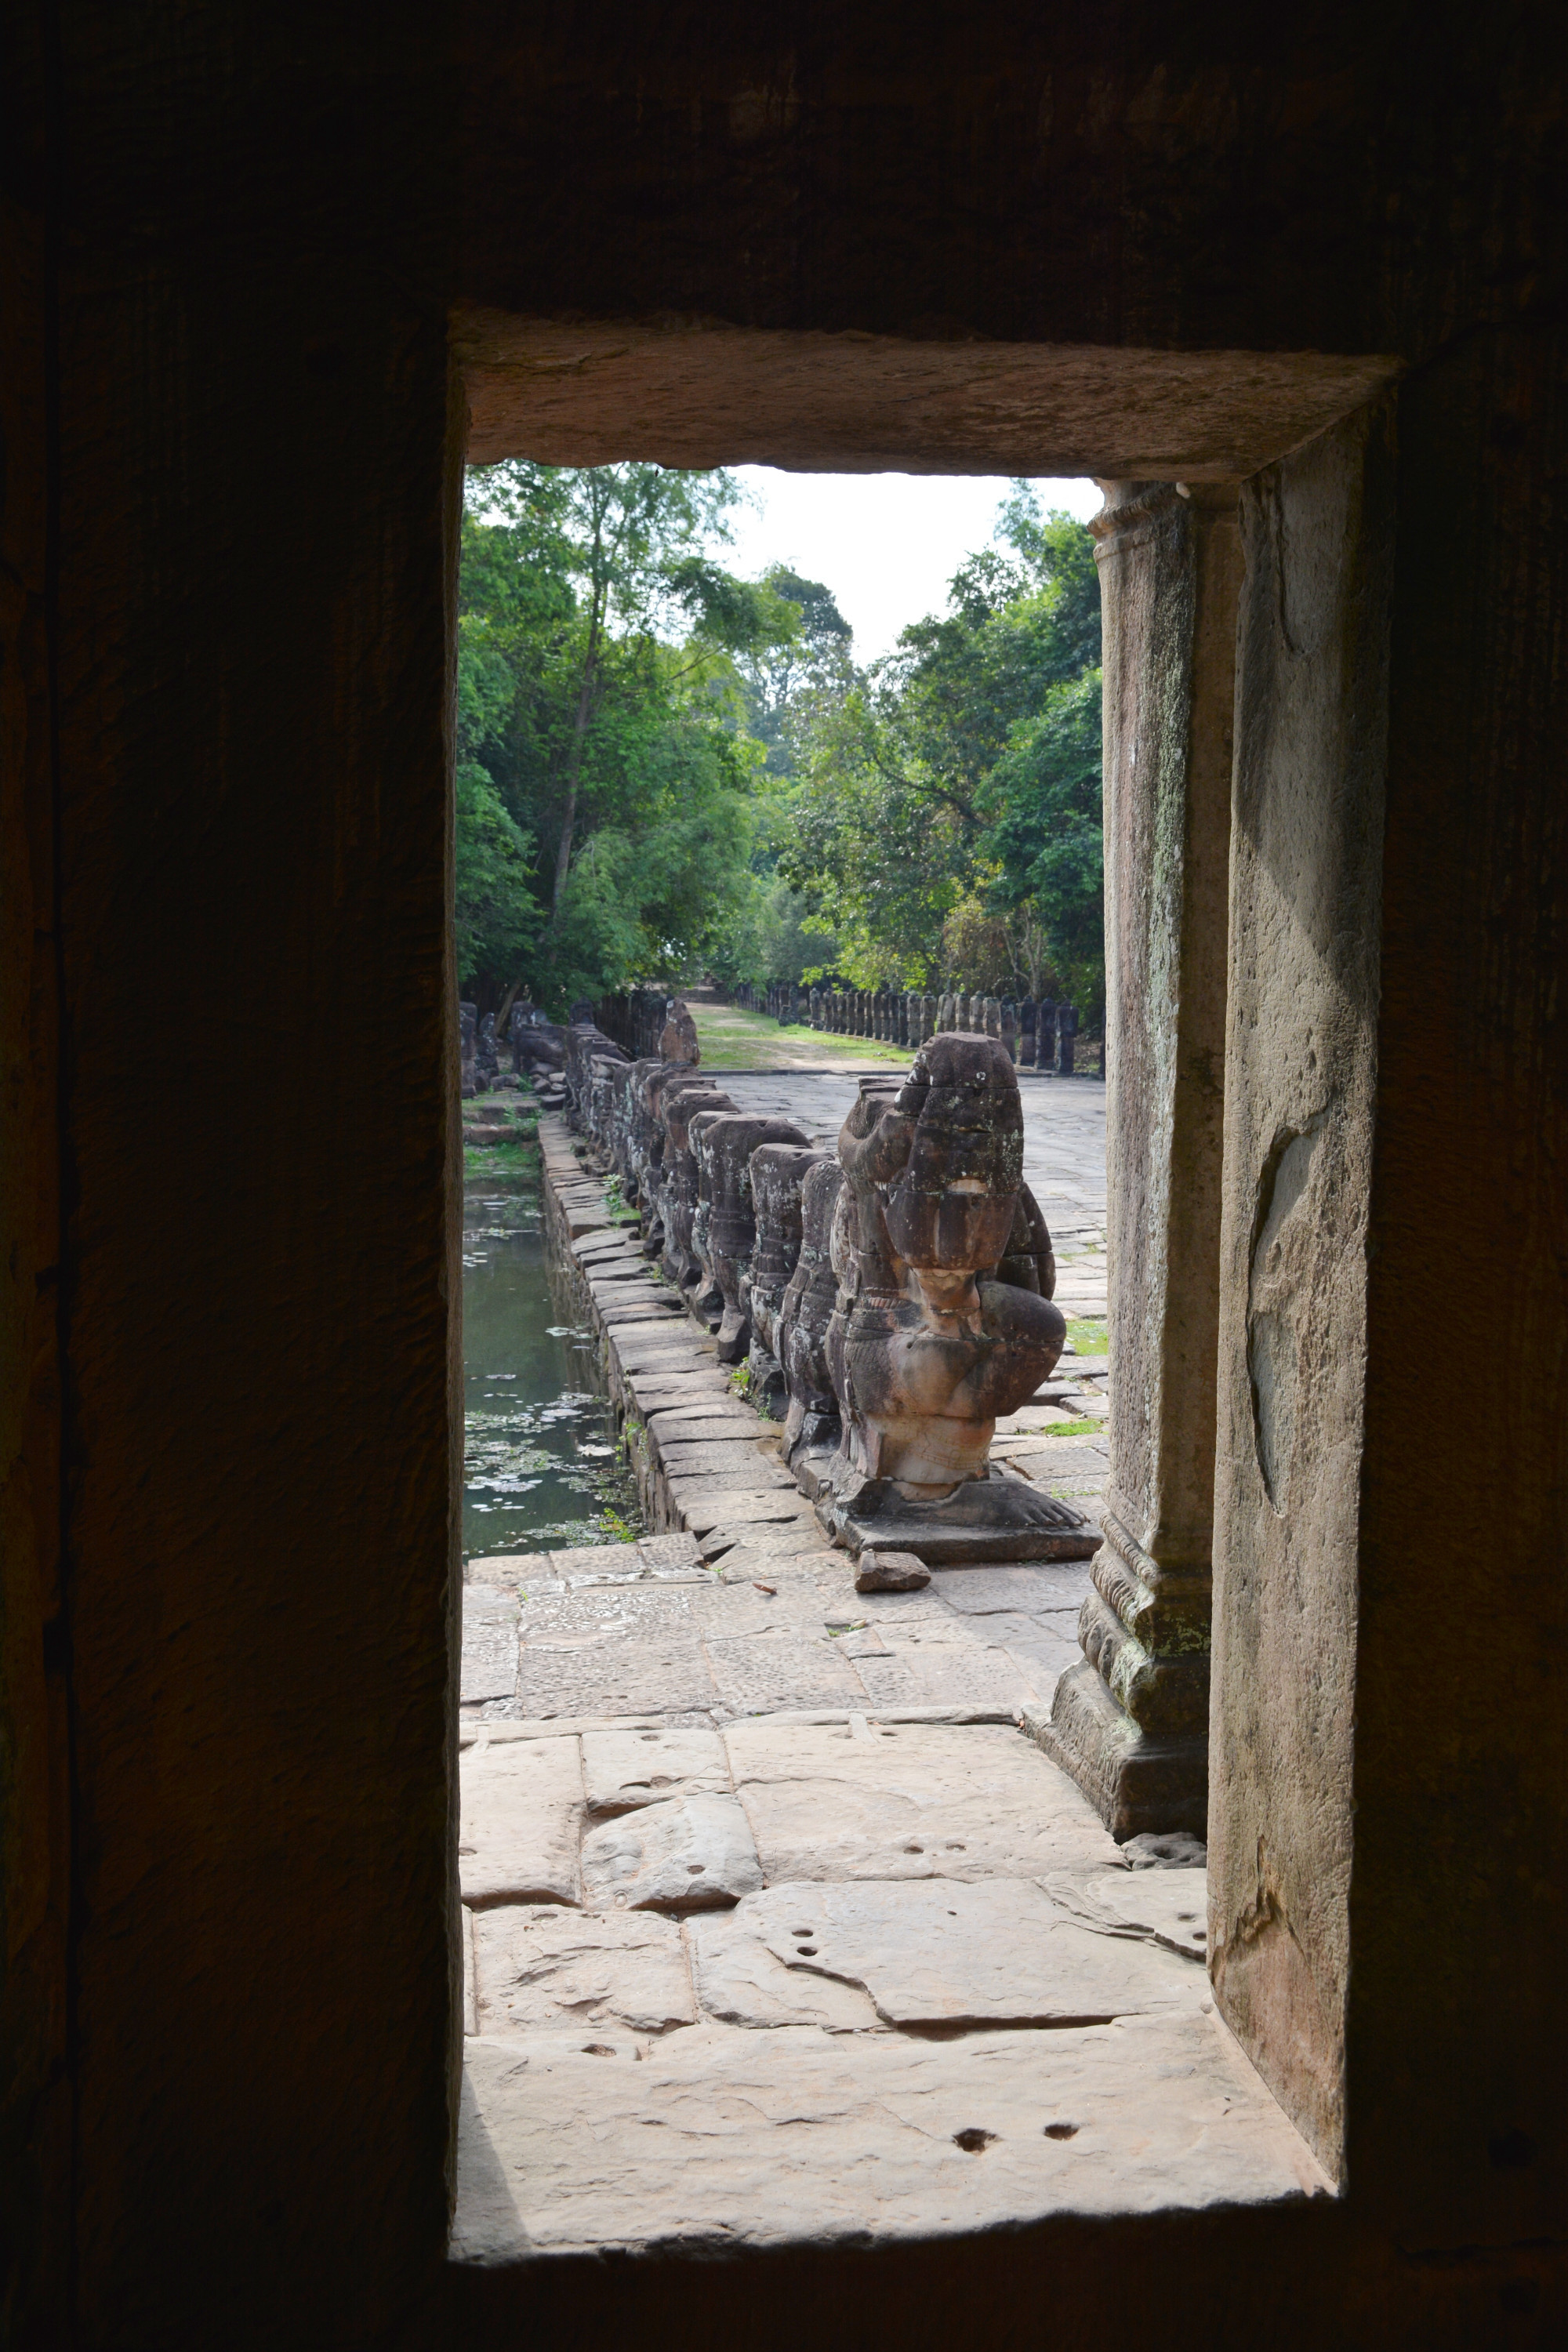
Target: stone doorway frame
(1245,554)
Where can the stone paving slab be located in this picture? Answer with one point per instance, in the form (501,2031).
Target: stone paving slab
(662,1677)
(689,1854)
(623,1771)
(522,1817)
(921,1801)
(908,1677)
(728,2138)
(489,1643)
(755,1674)
(534,1967)
(738,1981)
(996,1952)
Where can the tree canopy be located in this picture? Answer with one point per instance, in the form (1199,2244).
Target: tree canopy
(948,817)
(664,768)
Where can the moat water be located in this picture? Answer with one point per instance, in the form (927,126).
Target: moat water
(542,1468)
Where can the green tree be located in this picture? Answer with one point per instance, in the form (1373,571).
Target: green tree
(952,796)
(602,714)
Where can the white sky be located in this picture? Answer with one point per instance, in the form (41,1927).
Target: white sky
(886,544)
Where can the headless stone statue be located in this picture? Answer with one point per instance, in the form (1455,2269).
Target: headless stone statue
(724,1148)
(1028,1014)
(812,1425)
(677,1042)
(941,1321)
(1046,1034)
(679,1102)
(779,1171)
(1066,1033)
(467,1039)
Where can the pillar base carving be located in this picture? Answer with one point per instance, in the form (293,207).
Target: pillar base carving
(1130,1724)
(1136,1780)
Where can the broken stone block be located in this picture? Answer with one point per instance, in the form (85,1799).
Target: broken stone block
(890,1571)
(999,1952)
(740,1981)
(535,1967)
(695,1853)
(623,1771)
(1165,1850)
(1169,1906)
(521,1809)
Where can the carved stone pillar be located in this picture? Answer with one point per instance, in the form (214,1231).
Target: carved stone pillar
(1130,1724)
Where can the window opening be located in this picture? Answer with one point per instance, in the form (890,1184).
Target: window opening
(779,809)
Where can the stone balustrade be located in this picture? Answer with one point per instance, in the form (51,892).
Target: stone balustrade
(891,1301)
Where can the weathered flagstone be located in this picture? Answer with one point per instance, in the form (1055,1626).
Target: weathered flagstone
(912,1802)
(728,2138)
(738,1981)
(624,1769)
(941,1952)
(535,1967)
(722,1456)
(1170,1906)
(756,1674)
(489,1643)
(709,1503)
(692,1853)
(522,1812)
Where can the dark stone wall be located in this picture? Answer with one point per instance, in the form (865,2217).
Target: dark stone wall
(227,1633)
(232,243)
(1460,1751)
(1335,177)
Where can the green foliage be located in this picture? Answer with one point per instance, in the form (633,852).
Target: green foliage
(605,776)
(664,768)
(948,819)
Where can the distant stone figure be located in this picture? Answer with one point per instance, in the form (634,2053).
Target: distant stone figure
(1046,1036)
(581,1011)
(1028,1014)
(1010,1027)
(1066,1033)
(724,1148)
(812,1425)
(677,1041)
(467,1040)
(991,1017)
(486,1057)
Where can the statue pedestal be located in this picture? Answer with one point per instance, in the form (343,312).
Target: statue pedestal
(998,1519)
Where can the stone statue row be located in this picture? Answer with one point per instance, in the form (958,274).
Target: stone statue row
(1036,1034)
(888,1300)
(637,1018)
(536,1044)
